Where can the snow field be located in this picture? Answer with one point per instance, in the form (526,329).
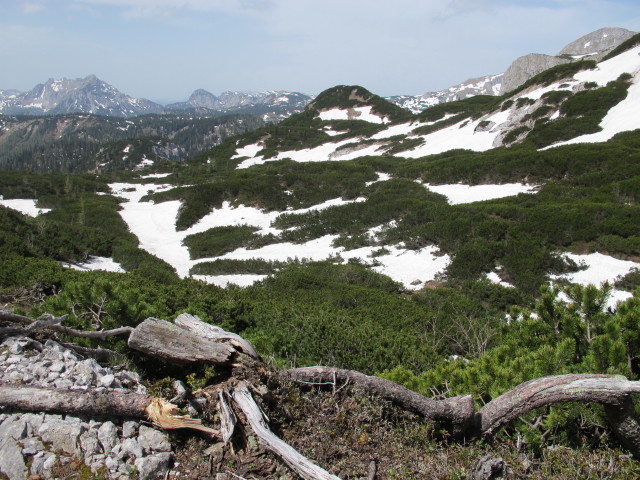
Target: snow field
(96,263)
(599,269)
(154,225)
(459,193)
(357,113)
(24,206)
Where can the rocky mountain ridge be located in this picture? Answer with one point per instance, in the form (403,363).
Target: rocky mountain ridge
(594,46)
(91,95)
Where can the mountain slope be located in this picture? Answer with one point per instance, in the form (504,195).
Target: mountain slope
(271,106)
(83,95)
(594,45)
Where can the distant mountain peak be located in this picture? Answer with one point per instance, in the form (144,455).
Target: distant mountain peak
(80,95)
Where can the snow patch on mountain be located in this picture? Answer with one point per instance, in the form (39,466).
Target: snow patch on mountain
(24,206)
(459,193)
(626,114)
(154,225)
(357,113)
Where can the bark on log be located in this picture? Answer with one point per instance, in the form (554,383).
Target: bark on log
(193,324)
(297,462)
(54,324)
(457,410)
(611,390)
(174,344)
(81,402)
(98,402)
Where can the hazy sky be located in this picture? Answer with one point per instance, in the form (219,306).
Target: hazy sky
(165,49)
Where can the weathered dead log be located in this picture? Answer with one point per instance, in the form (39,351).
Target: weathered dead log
(611,390)
(100,354)
(81,402)
(458,411)
(297,462)
(217,334)
(228,419)
(54,324)
(119,403)
(174,344)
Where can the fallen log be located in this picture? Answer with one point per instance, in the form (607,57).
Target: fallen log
(205,330)
(123,403)
(459,411)
(54,324)
(606,389)
(173,344)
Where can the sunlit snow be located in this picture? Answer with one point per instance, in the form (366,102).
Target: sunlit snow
(96,263)
(459,193)
(154,225)
(599,269)
(626,114)
(24,206)
(356,113)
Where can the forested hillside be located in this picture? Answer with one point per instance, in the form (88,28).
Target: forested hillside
(353,235)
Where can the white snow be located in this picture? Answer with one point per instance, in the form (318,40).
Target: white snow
(382,177)
(24,206)
(356,113)
(96,263)
(321,153)
(156,175)
(154,225)
(126,149)
(459,193)
(493,277)
(248,151)
(626,114)
(600,268)
(401,129)
(461,135)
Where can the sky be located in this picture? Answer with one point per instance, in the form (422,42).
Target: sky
(163,50)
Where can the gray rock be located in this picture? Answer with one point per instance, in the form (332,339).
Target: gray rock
(152,440)
(31,446)
(106,381)
(34,421)
(601,40)
(57,366)
(42,462)
(13,427)
(11,461)
(111,463)
(90,444)
(131,448)
(130,429)
(527,66)
(108,436)
(153,466)
(63,435)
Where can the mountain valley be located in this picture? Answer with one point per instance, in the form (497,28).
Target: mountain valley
(457,242)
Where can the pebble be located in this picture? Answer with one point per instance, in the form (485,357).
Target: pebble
(29,441)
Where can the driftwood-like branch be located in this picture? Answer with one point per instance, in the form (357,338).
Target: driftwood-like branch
(611,390)
(193,324)
(228,419)
(54,324)
(297,462)
(122,403)
(457,410)
(80,402)
(174,344)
